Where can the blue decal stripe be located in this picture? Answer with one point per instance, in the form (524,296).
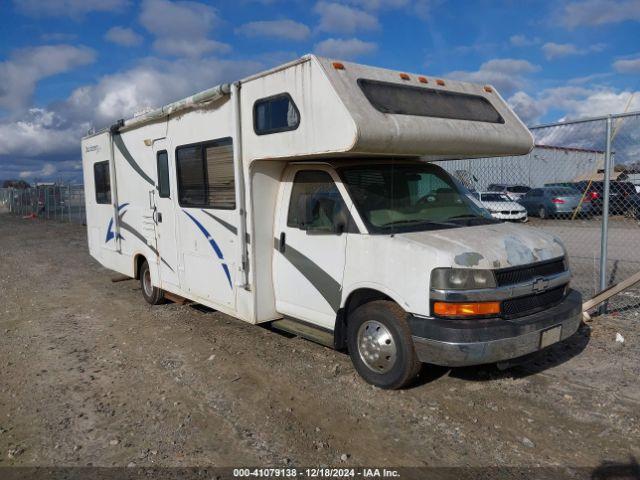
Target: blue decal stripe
(213,244)
(110,233)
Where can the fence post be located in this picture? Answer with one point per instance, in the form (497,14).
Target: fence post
(604,234)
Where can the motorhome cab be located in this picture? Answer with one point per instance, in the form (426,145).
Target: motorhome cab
(302,197)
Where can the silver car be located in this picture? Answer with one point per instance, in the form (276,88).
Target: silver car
(555,201)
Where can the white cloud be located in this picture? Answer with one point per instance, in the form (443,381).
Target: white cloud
(553,50)
(47,170)
(422,8)
(338,18)
(181,28)
(574,102)
(344,49)
(56,131)
(599,12)
(125,37)
(39,132)
(527,108)
(380,4)
(286,29)
(27,66)
(523,41)
(506,74)
(68,8)
(631,65)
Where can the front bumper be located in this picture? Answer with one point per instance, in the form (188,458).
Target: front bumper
(457,343)
(513,217)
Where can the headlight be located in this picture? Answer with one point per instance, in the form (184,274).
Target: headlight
(461,279)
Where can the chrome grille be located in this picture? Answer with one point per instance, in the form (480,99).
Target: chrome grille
(531,303)
(527,273)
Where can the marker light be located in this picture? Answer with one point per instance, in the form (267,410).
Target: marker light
(405,76)
(338,65)
(440,82)
(447,309)
(488,89)
(423,80)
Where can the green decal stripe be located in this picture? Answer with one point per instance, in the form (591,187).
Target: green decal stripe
(117,140)
(321,280)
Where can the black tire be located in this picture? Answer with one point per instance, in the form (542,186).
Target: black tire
(401,368)
(153,295)
(542,213)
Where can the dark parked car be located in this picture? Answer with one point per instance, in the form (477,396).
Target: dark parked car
(550,201)
(619,195)
(514,192)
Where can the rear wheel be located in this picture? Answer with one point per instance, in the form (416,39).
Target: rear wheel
(151,294)
(380,345)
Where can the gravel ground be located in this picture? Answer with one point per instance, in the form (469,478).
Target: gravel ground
(92,375)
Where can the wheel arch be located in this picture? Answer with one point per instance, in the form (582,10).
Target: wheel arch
(138,260)
(354,299)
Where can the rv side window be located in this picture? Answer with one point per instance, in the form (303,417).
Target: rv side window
(205,175)
(316,204)
(275,114)
(428,102)
(102,181)
(164,190)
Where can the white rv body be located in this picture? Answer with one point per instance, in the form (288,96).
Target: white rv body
(246,260)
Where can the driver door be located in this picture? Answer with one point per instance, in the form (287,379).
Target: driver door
(311,234)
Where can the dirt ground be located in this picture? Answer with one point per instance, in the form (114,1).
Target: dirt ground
(92,375)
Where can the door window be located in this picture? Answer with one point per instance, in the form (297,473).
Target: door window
(163,174)
(102,182)
(316,204)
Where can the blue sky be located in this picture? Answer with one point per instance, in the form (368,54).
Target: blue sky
(68,65)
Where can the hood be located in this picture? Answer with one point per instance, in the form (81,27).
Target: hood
(494,246)
(502,206)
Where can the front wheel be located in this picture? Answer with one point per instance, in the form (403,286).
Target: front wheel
(380,345)
(151,294)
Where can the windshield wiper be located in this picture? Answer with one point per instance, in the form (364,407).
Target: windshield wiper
(418,222)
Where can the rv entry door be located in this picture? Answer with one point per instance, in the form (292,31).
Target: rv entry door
(310,244)
(164,216)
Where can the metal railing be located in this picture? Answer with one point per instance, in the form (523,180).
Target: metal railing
(598,220)
(589,173)
(63,203)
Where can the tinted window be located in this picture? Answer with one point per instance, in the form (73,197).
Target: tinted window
(275,114)
(495,197)
(518,189)
(205,175)
(562,191)
(427,102)
(410,197)
(102,181)
(316,192)
(163,174)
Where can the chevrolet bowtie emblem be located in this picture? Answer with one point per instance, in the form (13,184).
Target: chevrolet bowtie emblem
(540,285)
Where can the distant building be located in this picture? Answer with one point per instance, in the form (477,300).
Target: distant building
(544,164)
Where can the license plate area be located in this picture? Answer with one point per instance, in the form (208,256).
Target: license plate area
(550,336)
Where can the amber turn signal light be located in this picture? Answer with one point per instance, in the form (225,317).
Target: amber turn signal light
(446,309)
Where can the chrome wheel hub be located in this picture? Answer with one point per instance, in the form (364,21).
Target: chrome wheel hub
(146,283)
(376,346)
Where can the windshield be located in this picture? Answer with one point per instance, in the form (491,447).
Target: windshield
(411,197)
(495,197)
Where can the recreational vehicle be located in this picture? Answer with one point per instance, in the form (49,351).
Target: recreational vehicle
(303,198)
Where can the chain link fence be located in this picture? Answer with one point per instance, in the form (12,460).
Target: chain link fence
(581,182)
(64,203)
